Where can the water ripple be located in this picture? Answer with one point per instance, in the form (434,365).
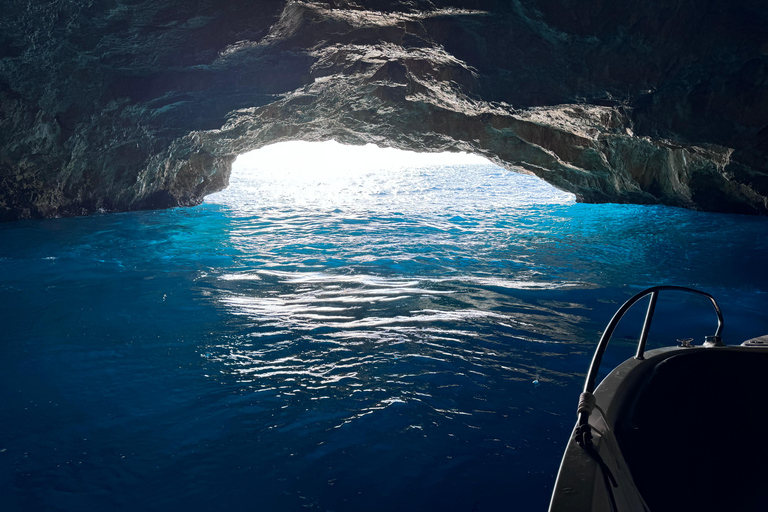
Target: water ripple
(372,349)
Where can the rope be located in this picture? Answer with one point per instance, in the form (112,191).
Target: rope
(586,403)
(608,478)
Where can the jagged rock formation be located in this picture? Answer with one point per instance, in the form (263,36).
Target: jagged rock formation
(129,104)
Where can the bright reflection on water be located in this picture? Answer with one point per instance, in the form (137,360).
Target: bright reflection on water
(376,307)
(367,179)
(362,338)
(380,258)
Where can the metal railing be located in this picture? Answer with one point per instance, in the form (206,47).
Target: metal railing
(583,431)
(589,384)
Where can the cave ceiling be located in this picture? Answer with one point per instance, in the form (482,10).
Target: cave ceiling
(120,105)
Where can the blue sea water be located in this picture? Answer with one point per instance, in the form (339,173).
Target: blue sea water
(346,342)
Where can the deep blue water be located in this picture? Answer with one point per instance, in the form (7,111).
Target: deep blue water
(347,343)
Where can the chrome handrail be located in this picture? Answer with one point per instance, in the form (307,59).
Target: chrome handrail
(589,384)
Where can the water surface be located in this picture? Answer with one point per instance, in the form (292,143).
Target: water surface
(364,340)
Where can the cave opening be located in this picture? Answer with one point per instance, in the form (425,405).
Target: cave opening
(334,175)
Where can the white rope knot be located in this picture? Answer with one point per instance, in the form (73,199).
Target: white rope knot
(586,403)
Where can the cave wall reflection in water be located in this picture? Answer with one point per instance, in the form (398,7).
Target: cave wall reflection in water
(361,339)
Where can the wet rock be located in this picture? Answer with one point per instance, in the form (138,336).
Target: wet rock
(121,105)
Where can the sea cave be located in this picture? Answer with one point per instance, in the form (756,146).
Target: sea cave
(355,255)
(117,106)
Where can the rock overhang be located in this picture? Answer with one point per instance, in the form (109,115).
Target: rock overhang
(126,105)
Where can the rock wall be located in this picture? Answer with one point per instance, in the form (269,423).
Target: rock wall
(129,104)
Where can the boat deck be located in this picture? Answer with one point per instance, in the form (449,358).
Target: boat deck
(694,435)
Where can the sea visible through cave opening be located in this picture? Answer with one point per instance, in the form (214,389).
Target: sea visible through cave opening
(398,333)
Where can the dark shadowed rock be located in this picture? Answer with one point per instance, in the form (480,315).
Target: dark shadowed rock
(131,104)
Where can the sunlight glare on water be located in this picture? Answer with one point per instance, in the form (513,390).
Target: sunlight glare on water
(329,174)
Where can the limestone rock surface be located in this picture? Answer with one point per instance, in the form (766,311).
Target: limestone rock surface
(128,104)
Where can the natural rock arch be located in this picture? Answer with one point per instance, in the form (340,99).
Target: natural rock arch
(130,104)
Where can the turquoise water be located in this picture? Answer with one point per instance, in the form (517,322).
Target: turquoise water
(354,341)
